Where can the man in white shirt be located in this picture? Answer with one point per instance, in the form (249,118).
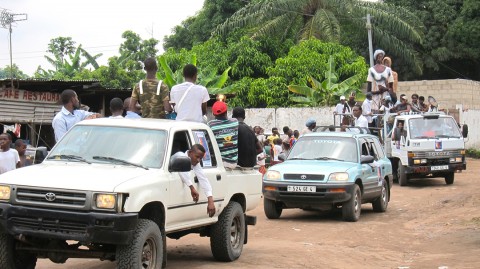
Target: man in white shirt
(367,107)
(189,100)
(342,108)
(9,159)
(360,120)
(196,153)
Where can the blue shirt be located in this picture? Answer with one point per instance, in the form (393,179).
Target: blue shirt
(132,115)
(64,120)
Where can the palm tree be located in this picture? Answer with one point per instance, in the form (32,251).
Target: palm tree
(394,28)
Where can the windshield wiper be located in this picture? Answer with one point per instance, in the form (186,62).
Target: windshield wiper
(327,159)
(297,158)
(447,136)
(424,137)
(69,157)
(115,160)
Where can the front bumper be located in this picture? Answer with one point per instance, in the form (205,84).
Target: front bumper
(325,193)
(427,169)
(87,227)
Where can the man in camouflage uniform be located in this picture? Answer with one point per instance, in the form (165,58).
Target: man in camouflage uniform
(153,98)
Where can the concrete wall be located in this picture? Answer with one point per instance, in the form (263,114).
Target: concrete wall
(448,93)
(472,119)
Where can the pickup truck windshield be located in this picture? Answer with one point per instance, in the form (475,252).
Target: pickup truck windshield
(442,127)
(325,148)
(142,147)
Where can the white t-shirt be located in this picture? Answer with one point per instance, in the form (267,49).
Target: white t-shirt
(8,160)
(198,170)
(191,107)
(366,109)
(361,122)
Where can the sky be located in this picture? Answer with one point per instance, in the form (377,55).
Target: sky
(96,24)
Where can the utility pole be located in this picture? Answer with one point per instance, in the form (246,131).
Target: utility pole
(6,20)
(370,46)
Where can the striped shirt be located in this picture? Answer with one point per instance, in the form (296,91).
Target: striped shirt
(226,134)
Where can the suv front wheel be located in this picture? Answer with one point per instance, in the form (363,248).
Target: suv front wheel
(352,208)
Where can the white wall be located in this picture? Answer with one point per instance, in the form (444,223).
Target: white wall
(472,119)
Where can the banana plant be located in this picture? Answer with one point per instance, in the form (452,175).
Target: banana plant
(323,93)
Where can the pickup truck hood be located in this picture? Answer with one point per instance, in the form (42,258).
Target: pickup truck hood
(73,175)
(312,167)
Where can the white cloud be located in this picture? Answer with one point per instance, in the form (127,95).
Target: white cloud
(96,24)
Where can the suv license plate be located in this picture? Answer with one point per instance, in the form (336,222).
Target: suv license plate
(439,167)
(302,188)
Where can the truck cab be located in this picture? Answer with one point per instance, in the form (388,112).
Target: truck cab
(423,146)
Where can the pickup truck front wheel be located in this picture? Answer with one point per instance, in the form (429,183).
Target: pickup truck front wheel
(228,234)
(145,250)
(10,258)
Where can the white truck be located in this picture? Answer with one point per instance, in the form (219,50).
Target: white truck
(110,190)
(430,145)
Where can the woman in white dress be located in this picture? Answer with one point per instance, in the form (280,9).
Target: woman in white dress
(380,80)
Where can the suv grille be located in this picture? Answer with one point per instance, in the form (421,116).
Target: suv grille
(50,197)
(305,177)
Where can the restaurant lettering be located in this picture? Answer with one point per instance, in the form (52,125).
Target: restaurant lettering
(23,95)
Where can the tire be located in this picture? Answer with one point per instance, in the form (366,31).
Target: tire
(228,234)
(381,203)
(352,209)
(449,178)
(272,209)
(145,250)
(402,177)
(10,258)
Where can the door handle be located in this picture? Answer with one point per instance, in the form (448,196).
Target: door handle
(219,177)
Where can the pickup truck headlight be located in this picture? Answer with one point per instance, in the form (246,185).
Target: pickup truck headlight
(4,192)
(338,177)
(106,201)
(272,175)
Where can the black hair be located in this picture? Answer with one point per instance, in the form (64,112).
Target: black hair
(416,95)
(67,95)
(285,129)
(150,64)
(238,112)
(421,98)
(198,147)
(116,104)
(359,107)
(190,71)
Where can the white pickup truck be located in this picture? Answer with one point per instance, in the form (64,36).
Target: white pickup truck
(110,190)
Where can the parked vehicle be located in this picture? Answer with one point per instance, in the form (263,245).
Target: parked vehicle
(327,170)
(109,189)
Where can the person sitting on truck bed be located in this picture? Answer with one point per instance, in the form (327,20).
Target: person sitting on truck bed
(226,134)
(196,153)
(404,106)
(399,131)
(360,120)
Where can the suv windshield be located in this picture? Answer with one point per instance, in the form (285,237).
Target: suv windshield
(141,147)
(434,128)
(325,148)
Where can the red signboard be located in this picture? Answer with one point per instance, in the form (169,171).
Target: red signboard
(28,96)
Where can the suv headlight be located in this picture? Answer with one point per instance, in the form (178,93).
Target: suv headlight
(338,177)
(105,200)
(4,192)
(272,175)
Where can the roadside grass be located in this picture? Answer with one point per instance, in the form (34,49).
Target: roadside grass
(473,153)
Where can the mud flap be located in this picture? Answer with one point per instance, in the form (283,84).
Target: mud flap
(249,220)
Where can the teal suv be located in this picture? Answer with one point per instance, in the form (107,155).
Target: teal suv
(328,170)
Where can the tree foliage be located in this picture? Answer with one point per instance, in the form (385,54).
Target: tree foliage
(7,72)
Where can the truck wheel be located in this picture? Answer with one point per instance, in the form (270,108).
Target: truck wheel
(402,177)
(381,204)
(351,209)
(272,209)
(145,250)
(449,178)
(10,258)
(228,234)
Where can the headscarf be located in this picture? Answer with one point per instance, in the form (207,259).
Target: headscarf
(378,52)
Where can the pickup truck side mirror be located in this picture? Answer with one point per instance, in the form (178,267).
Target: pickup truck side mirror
(465,131)
(180,164)
(366,159)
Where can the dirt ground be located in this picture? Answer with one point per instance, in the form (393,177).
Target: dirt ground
(427,225)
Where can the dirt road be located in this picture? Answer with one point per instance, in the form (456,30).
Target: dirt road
(427,225)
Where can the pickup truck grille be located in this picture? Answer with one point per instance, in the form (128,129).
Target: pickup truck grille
(303,177)
(49,197)
(49,225)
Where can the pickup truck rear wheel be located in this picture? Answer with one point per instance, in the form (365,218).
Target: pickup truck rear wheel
(145,250)
(272,209)
(449,178)
(381,204)
(228,234)
(401,175)
(352,208)
(10,258)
